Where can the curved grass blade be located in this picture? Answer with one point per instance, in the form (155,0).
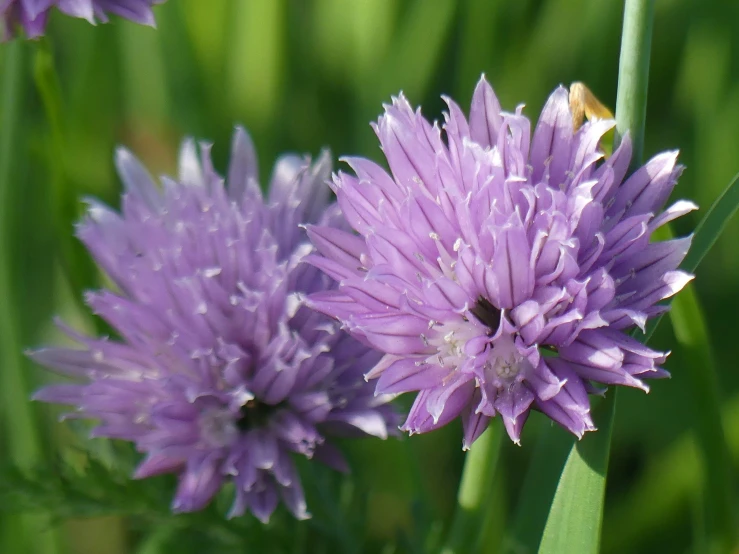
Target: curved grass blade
(540,483)
(24,448)
(706,234)
(576,514)
(74,260)
(474,490)
(712,224)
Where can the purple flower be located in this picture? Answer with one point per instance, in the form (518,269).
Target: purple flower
(31,15)
(501,271)
(221,373)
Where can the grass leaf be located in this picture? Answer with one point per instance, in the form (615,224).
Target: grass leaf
(574,521)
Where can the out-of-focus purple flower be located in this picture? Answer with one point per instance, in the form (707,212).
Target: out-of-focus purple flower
(31,15)
(501,271)
(221,373)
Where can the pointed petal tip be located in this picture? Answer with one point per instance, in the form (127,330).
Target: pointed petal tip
(303,516)
(589,429)
(324,156)
(37,396)
(560,94)
(121,154)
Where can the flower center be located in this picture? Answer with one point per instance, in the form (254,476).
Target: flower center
(505,361)
(220,428)
(255,414)
(217,427)
(450,342)
(463,341)
(487,314)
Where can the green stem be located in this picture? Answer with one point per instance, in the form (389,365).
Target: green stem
(24,444)
(474,489)
(633,75)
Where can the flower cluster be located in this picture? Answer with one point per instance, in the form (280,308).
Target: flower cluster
(31,15)
(221,373)
(500,271)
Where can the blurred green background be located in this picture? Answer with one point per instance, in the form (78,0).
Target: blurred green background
(301,75)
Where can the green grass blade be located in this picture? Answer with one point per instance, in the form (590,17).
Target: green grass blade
(27,533)
(474,490)
(576,514)
(75,262)
(706,234)
(540,483)
(712,225)
(633,75)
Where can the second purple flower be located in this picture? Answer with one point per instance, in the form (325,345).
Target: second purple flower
(221,373)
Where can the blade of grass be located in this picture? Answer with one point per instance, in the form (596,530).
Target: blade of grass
(76,263)
(23,445)
(709,229)
(474,489)
(718,515)
(494,519)
(550,453)
(712,225)
(576,514)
